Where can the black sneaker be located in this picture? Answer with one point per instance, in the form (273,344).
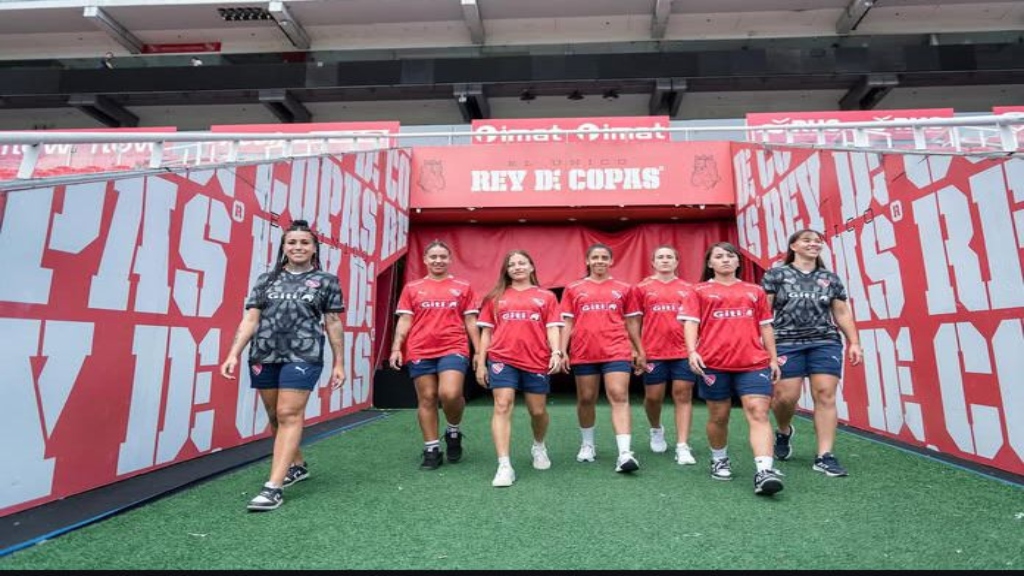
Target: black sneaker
(767,482)
(296,473)
(783,445)
(453,442)
(267,499)
(432,459)
(828,464)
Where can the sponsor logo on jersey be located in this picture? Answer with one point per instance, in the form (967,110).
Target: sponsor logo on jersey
(594,306)
(726,313)
(665,308)
(438,304)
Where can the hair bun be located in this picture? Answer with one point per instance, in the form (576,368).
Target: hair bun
(298,223)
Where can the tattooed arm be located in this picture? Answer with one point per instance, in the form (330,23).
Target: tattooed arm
(335,334)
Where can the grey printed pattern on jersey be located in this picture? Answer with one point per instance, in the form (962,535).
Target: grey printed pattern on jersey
(291,316)
(803,304)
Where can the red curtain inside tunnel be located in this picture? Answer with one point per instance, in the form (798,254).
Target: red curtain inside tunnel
(558,251)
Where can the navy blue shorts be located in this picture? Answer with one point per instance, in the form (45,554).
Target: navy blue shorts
(504,375)
(602,368)
(718,385)
(802,360)
(426,366)
(291,375)
(661,371)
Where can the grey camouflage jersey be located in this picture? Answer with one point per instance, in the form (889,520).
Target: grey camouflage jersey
(291,316)
(803,304)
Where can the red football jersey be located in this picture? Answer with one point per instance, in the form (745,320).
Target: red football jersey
(520,320)
(598,311)
(730,324)
(438,309)
(662,333)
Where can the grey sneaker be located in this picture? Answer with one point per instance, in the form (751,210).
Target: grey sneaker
(296,473)
(721,469)
(267,499)
(767,482)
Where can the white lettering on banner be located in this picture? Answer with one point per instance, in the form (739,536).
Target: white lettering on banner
(771,164)
(358,220)
(158,428)
(395,233)
(23,240)
(1003,240)
(202,214)
(886,294)
(110,285)
(887,382)
(747,192)
(497,180)
(368,167)
(628,179)
(980,432)
(359,308)
(956,252)
(399,172)
(588,132)
(1008,350)
(153,293)
(368,230)
(35,407)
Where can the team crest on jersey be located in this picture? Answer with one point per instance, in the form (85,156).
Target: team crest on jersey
(313,283)
(709,379)
(256,369)
(617,294)
(753,297)
(497,367)
(537,301)
(782,360)
(823,282)
(455,292)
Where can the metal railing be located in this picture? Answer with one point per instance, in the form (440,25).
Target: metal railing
(50,154)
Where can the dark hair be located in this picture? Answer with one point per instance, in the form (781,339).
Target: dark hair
(436,244)
(597,246)
(708,273)
(665,247)
(790,255)
(282,259)
(504,280)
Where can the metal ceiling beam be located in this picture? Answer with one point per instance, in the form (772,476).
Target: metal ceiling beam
(853,15)
(662,10)
(667,96)
(475,23)
(867,93)
(472,102)
(291,27)
(113,28)
(284,105)
(104,110)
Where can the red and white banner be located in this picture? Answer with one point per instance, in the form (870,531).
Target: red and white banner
(572,174)
(66,159)
(931,249)
(127,297)
(496,131)
(816,122)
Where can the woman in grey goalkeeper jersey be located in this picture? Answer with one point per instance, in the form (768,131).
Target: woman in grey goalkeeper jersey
(810,308)
(285,318)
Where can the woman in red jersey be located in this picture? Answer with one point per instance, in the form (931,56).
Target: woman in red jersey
(594,310)
(436,325)
(659,297)
(519,330)
(728,328)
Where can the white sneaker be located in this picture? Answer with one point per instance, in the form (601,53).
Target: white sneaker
(658,444)
(683,455)
(626,463)
(505,476)
(586,453)
(540,457)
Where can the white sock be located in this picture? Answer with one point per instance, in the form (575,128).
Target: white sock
(272,485)
(623,441)
(682,445)
(588,435)
(432,445)
(504,461)
(764,462)
(719,453)
(452,427)
(540,444)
